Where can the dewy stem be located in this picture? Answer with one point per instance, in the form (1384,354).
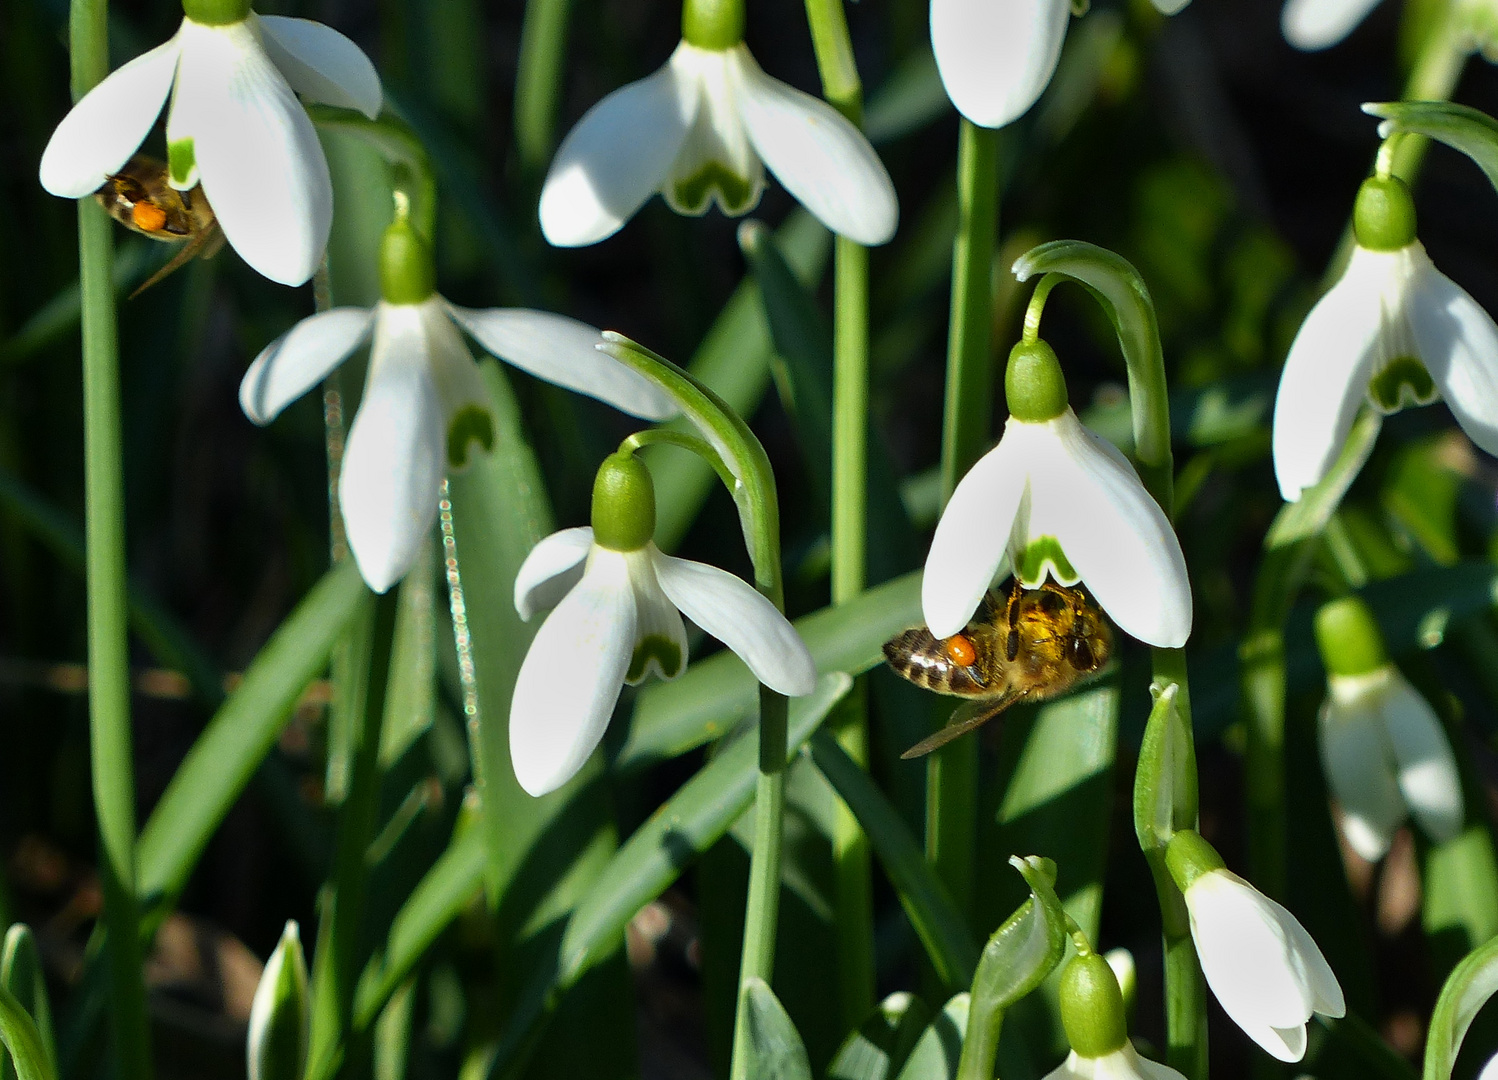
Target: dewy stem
(108,628)
(952,771)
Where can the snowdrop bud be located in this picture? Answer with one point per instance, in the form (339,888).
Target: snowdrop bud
(1092,1007)
(216,12)
(1348,637)
(280,1015)
(712,24)
(1033,383)
(1383,218)
(623,504)
(407,273)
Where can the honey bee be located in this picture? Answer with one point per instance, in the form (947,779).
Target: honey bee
(140,198)
(1035,645)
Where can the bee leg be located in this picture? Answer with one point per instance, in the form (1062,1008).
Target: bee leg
(1011,619)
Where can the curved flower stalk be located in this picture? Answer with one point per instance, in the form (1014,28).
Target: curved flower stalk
(617,606)
(424,401)
(1393,331)
(1055,500)
(996,57)
(1384,752)
(702,129)
(234,124)
(1266,971)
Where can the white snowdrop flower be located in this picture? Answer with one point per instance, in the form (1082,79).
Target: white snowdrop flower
(424,401)
(234,123)
(618,602)
(1490,1070)
(1093,1014)
(1265,970)
(1319,24)
(996,57)
(1393,331)
(702,129)
(1054,499)
(1383,750)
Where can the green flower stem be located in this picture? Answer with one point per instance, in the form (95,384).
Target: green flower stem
(538,79)
(108,614)
(852,866)
(952,771)
(337,962)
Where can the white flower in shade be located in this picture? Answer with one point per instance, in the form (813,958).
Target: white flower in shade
(1055,500)
(1490,1070)
(424,401)
(996,57)
(1319,24)
(702,128)
(1125,1063)
(1266,971)
(1386,757)
(234,123)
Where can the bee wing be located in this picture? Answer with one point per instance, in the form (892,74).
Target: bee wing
(966,717)
(190,249)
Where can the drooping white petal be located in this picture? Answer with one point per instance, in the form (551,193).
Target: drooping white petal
(550,571)
(563,351)
(616,157)
(396,454)
(734,612)
(1152,1070)
(716,162)
(1122,1064)
(454,374)
(816,154)
(1325,380)
(98,136)
(1428,776)
(1355,758)
(1490,1070)
(572,675)
(972,536)
(1458,345)
(660,635)
(1170,7)
(1322,987)
(1087,495)
(321,64)
(996,58)
(300,359)
(257,154)
(1319,24)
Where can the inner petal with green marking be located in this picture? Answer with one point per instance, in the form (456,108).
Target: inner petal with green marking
(1042,557)
(654,648)
(1401,383)
(470,424)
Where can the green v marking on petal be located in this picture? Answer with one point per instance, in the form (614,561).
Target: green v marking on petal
(662,650)
(1403,381)
(182,162)
(1041,556)
(735,193)
(470,424)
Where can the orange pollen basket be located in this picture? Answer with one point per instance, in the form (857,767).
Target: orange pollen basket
(961,650)
(146,216)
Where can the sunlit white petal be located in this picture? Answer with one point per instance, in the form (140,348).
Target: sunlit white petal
(572,675)
(563,351)
(996,58)
(1458,345)
(550,571)
(1428,777)
(1170,7)
(1123,1064)
(1355,757)
(111,121)
(321,64)
(300,359)
(616,157)
(816,154)
(1318,24)
(737,614)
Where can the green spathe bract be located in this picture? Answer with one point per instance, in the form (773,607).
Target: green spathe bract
(1092,1007)
(623,505)
(1384,215)
(216,12)
(407,273)
(1033,383)
(1348,637)
(712,24)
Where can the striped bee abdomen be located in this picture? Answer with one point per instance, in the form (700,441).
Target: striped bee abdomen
(917,655)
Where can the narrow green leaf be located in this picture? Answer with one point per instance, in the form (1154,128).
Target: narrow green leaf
(21,1037)
(1466,990)
(538,79)
(939,1048)
(878,1049)
(909,99)
(1462,128)
(21,974)
(775,1048)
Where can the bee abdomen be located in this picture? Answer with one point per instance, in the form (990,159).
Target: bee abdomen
(921,658)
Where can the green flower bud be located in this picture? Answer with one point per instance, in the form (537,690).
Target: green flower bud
(407,272)
(1188,857)
(216,12)
(1092,1007)
(1383,218)
(1033,383)
(281,1013)
(623,504)
(712,24)
(1349,639)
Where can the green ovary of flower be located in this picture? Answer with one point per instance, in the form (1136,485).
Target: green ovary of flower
(712,24)
(623,505)
(216,12)
(1188,857)
(182,160)
(1383,218)
(665,653)
(1043,556)
(1092,1007)
(469,425)
(735,194)
(407,273)
(1033,383)
(1349,639)
(1403,381)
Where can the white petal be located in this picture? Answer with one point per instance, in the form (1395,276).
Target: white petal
(1490,1070)
(1087,495)
(572,675)
(1428,775)
(819,157)
(456,376)
(972,536)
(396,454)
(996,58)
(616,157)
(1458,345)
(1316,974)
(1170,7)
(257,154)
(564,351)
(300,359)
(98,136)
(1317,24)
(660,635)
(321,64)
(1325,380)
(1153,1070)
(1355,757)
(550,571)
(738,615)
